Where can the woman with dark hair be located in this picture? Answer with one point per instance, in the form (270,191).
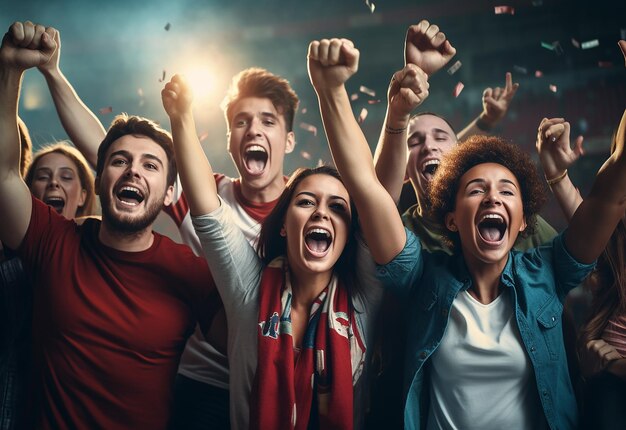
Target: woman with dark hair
(298,314)
(485,345)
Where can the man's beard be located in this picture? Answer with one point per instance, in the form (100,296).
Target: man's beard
(125,224)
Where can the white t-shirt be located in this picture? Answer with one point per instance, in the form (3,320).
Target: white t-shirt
(200,360)
(481,377)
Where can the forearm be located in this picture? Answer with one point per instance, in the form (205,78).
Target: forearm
(479,125)
(195,171)
(381,223)
(567,195)
(391,154)
(81,125)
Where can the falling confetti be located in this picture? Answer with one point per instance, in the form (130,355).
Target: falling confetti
(557,47)
(553,88)
(203,136)
(548,46)
(354,97)
(106,110)
(590,44)
(457,89)
(309,127)
(306,155)
(373,102)
(537,3)
(456,66)
(162,77)
(520,69)
(167,27)
(501,10)
(303,110)
(367,91)
(538,73)
(362,115)
(370,5)
(576,43)
(605,64)
(140,92)
(320,162)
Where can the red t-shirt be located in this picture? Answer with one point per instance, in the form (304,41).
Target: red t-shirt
(109,326)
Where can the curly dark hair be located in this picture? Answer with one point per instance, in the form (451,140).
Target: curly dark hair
(271,244)
(478,150)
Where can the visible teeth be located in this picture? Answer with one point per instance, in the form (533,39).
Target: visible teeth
(492,216)
(431,162)
(255,148)
(320,231)
(131,189)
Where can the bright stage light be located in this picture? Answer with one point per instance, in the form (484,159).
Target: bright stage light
(202,82)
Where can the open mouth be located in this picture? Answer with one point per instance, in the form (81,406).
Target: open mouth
(56,203)
(130,196)
(255,158)
(492,228)
(318,240)
(429,168)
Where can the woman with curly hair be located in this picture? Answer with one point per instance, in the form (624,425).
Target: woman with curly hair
(485,345)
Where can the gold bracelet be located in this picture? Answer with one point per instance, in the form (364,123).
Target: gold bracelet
(557,179)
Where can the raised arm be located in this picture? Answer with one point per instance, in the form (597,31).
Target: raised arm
(496,103)
(407,90)
(556,156)
(331,63)
(81,125)
(194,168)
(25,45)
(427,47)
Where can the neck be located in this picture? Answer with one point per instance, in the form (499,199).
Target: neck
(266,194)
(307,287)
(125,241)
(485,279)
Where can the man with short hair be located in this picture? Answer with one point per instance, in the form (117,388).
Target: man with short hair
(114,302)
(259,109)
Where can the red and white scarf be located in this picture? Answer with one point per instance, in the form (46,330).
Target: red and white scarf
(330,362)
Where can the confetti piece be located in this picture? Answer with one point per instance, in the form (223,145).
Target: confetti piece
(203,136)
(576,43)
(362,115)
(538,73)
(367,91)
(320,162)
(167,27)
(548,46)
(456,66)
(106,110)
(303,110)
(373,102)
(140,92)
(305,155)
(457,89)
(520,69)
(590,44)
(309,127)
(370,5)
(501,10)
(552,88)
(162,77)
(537,3)
(557,47)
(605,64)
(354,97)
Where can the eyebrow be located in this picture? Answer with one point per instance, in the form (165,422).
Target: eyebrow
(434,130)
(128,155)
(308,193)
(482,181)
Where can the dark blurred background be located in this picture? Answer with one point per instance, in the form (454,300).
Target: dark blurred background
(116,52)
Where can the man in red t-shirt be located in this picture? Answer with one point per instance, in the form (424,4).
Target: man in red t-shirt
(114,302)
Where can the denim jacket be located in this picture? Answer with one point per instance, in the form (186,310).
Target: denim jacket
(15,343)
(539,278)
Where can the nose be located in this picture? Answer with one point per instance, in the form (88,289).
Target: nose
(54,182)
(132,171)
(320,213)
(253,128)
(430,145)
(492,197)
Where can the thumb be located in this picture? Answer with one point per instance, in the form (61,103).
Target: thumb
(578,146)
(47,40)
